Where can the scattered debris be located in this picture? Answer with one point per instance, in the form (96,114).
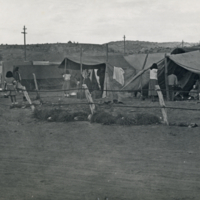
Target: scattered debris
(184,124)
(173,134)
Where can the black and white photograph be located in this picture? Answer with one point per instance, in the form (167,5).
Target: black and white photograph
(99,100)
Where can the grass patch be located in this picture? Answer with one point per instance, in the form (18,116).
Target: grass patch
(146,119)
(58,115)
(139,119)
(101,116)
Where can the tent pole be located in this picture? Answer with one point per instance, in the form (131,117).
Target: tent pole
(106,53)
(64,73)
(65,66)
(81,70)
(141,74)
(166,78)
(3,71)
(106,69)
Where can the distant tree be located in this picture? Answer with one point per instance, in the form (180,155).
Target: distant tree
(69,42)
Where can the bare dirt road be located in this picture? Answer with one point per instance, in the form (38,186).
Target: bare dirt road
(80,160)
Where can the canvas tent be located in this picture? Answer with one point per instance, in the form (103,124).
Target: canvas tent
(142,64)
(186,64)
(137,68)
(111,86)
(9,65)
(48,75)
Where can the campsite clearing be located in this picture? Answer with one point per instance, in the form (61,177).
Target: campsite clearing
(80,160)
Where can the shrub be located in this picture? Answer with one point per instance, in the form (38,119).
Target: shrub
(58,115)
(146,119)
(103,118)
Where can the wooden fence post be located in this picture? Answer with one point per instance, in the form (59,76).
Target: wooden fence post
(28,99)
(36,86)
(162,104)
(23,88)
(89,98)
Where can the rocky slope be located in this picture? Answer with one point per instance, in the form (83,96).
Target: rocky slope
(57,51)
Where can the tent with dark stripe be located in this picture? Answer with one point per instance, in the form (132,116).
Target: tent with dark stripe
(111,87)
(48,75)
(184,63)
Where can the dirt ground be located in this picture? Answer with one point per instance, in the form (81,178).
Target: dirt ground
(80,160)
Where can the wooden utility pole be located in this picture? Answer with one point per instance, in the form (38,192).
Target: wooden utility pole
(124,45)
(24,41)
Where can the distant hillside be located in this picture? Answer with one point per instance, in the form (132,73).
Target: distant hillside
(57,51)
(135,47)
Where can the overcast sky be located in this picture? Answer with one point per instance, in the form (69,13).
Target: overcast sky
(99,21)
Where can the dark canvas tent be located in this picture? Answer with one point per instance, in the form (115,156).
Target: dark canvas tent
(9,65)
(184,63)
(187,68)
(48,76)
(97,62)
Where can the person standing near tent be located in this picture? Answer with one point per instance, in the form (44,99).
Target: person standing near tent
(10,85)
(66,84)
(197,85)
(101,75)
(17,77)
(153,81)
(172,84)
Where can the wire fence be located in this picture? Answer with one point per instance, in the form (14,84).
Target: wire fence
(56,99)
(107,90)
